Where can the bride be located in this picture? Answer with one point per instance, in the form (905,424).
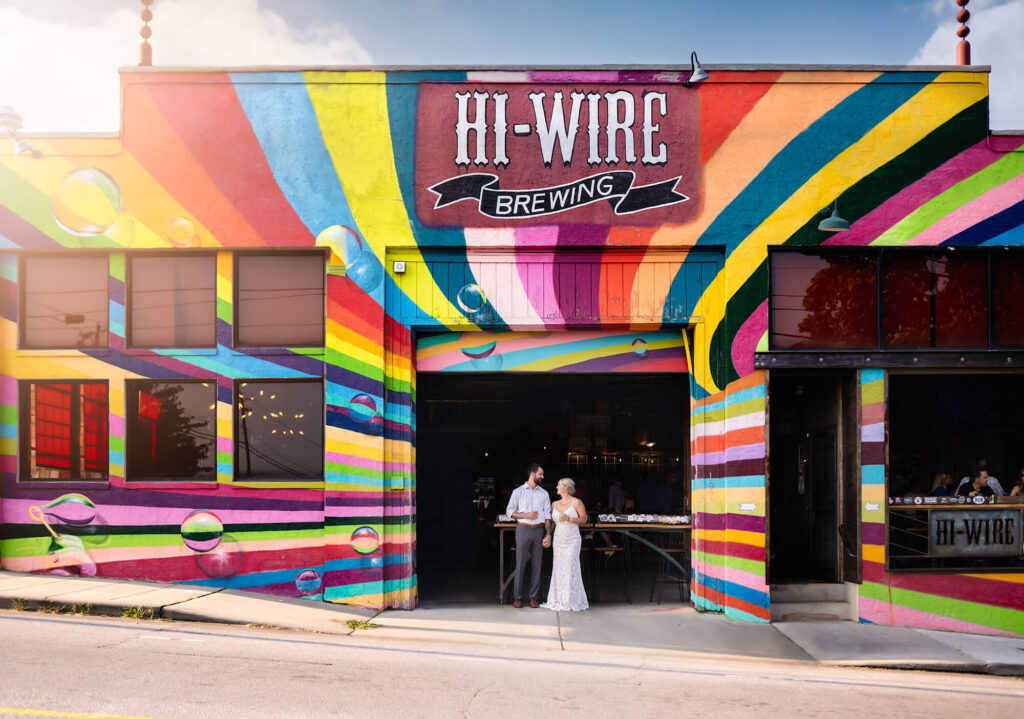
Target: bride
(566,592)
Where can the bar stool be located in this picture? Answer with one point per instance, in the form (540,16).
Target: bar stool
(666,573)
(607,555)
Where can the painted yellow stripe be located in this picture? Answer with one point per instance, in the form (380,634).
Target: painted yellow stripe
(908,125)
(563,360)
(873,553)
(352,110)
(732,536)
(76,715)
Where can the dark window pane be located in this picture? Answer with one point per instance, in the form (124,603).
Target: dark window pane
(172,430)
(961,300)
(1008,298)
(173,301)
(279,430)
(64,430)
(280,300)
(824,301)
(906,299)
(65,302)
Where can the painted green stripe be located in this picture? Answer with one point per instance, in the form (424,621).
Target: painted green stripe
(1010,620)
(8,414)
(352,470)
(743,408)
(224,310)
(116,443)
(117,263)
(1008,168)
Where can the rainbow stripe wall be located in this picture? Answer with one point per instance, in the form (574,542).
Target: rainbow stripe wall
(231,161)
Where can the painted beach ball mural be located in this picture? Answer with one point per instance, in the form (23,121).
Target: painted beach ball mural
(201,531)
(640,348)
(365,540)
(363,408)
(308,581)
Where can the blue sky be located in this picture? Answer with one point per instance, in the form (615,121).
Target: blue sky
(58,58)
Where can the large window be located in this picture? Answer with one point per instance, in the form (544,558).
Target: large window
(898,299)
(279,429)
(279,300)
(63,430)
(173,301)
(172,430)
(64,301)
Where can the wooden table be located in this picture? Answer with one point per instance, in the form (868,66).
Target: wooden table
(626,529)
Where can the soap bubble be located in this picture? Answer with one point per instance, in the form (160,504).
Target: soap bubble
(640,348)
(202,531)
(308,581)
(73,509)
(471,299)
(362,408)
(365,540)
(224,560)
(492,363)
(477,345)
(361,263)
(181,232)
(87,202)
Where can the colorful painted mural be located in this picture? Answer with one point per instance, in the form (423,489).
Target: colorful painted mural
(554,209)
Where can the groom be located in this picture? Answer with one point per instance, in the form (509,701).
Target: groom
(530,506)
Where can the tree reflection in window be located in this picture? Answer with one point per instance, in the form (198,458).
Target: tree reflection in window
(172,430)
(279,429)
(828,301)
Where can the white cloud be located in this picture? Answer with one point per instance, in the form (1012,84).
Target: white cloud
(997,39)
(61,77)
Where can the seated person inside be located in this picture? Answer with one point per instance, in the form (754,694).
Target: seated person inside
(978,486)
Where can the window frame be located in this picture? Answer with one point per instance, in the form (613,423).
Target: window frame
(129,328)
(129,387)
(71,256)
(237,478)
(24,476)
(236,287)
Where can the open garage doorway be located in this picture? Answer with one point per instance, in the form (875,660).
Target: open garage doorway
(478,432)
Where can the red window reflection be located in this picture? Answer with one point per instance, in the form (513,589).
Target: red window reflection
(1008,298)
(824,301)
(961,300)
(906,299)
(64,430)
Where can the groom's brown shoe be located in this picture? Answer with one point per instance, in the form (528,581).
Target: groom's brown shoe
(534,603)
(517,604)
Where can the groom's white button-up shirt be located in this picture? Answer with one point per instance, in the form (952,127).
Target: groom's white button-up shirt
(527,499)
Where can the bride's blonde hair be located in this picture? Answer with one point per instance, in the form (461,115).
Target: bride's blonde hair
(570,486)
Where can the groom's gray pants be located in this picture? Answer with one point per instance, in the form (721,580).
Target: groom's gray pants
(529,549)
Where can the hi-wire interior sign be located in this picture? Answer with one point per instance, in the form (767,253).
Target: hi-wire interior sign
(978,532)
(541,154)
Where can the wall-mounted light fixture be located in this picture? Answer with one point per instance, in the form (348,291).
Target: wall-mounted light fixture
(833,223)
(10,122)
(697,73)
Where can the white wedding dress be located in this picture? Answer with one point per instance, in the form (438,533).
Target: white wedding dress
(566,592)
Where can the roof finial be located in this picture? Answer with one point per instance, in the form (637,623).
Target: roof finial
(963,48)
(145,49)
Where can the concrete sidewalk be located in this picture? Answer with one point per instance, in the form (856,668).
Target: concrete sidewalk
(613,629)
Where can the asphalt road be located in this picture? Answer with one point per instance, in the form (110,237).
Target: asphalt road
(72,665)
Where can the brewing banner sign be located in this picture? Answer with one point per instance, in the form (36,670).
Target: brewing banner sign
(493,155)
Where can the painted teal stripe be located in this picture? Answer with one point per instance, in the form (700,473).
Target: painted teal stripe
(8,431)
(753,481)
(867,376)
(872,474)
(737,398)
(353,590)
(734,613)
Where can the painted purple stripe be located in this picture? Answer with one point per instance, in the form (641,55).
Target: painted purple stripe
(117,292)
(10,302)
(340,577)
(741,522)
(872,533)
(26,235)
(295,362)
(967,163)
(354,380)
(360,500)
(574,76)
(741,468)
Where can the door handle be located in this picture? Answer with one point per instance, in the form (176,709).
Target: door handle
(846,543)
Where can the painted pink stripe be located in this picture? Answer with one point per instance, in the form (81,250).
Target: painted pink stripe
(348,494)
(868,228)
(116,425)
(745,342)
(571,76)
(224,444)
(17,510)
(354,461)
(360,511)
(747,579)
(880,612)
(985,205)
(8,463)
(9,390)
